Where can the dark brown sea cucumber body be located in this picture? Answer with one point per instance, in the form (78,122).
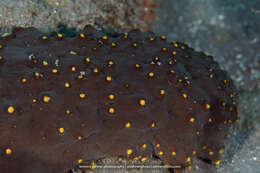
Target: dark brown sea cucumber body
(69,101)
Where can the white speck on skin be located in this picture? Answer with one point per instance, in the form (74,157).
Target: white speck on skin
(82,72)
(31,56)
(57,62)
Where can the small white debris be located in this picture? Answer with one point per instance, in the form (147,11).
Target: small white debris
(73,52)
(57,62)
(82,73)
(6,34)
(31,56)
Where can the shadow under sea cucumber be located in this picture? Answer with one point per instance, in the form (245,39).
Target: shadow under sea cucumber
(70,101)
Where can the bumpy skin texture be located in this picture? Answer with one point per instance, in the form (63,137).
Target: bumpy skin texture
(166,95)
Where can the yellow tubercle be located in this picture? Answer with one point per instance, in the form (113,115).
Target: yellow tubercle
(217,162)
(184,95)
(87,59)
(164,49)
(45,63)
(54,70)
(95,70)
(80,76)
(37,75)
(108,78)
(113,44)
(10,109)
(80,161)
(93,165)
(225,81)
(8,151)
(68,112)
(144,146)
(125,35)
(74,69)
(111,96)
(110,63)
(137,65)
(134,45)
(61,130)
(142,102)
(143,159)
(151,38)
(160,153)
(67,85)
(220,151)
(82,95)
(175,45)
(24,80)
(207,106)
(163,37)
(46,99)
(111,110)
(211,153)
(82,35)
(129,151)
(151,74)
(59,35)
(192,120)
(174,52)
(128,124)
(162,92)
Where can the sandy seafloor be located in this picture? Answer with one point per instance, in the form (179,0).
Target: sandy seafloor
(227,29)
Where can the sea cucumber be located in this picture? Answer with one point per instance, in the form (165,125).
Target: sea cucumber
(68,101)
